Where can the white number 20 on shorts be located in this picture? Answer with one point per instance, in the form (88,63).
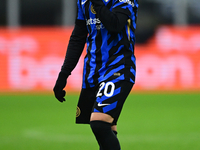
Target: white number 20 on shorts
(105,91)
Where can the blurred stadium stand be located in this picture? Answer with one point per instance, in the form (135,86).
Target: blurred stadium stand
(62,13)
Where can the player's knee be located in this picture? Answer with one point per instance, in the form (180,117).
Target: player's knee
(100,127)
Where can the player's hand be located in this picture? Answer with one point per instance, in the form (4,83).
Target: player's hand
(58,89)
(97,2)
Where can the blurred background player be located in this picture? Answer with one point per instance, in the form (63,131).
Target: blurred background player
(107,26)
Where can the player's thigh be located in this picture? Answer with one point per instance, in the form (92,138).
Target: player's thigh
(101,116)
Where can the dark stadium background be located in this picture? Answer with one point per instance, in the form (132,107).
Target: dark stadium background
(152,13)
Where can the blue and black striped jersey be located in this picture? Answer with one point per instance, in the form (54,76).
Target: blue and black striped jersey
(109,54)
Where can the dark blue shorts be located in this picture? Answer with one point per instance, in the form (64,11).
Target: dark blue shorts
(107,97)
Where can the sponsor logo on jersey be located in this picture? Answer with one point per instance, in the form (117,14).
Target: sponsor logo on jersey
(96,22)
(128,2)
(93,21)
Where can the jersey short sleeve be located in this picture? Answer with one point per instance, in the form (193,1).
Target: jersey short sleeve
(80,14)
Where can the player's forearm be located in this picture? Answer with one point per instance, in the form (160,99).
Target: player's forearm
(75,47)
(113,21)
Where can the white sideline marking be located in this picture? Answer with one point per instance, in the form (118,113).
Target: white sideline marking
(74,138)
(45,136)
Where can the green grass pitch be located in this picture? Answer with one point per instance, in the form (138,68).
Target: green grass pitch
(148,122)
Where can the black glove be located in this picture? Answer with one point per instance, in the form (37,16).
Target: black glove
(97,4)
(59,86)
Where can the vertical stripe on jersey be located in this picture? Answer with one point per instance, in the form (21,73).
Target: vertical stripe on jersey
(87,66)
(84,73)
(89,44)
(98,53)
